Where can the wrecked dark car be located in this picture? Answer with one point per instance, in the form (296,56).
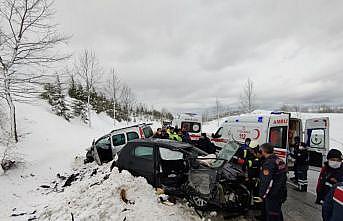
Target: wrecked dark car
(208,182)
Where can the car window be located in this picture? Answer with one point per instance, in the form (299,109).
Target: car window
(118,139)
(144,152)
(167,154)
(132,136)
(104,143)
(148,132)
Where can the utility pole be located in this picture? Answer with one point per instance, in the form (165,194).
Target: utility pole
(217,105)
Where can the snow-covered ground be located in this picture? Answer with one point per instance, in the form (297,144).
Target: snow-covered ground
(48,145)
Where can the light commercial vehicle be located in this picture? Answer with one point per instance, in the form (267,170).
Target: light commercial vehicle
(103,149)
(280,129)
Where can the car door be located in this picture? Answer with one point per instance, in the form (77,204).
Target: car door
(142,162)
(317,139)
(102,151)
(171,167)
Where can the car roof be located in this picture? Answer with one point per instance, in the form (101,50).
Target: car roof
(172,144)
(132,126)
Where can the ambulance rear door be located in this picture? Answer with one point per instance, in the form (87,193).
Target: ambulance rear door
(317,139)
(278,134)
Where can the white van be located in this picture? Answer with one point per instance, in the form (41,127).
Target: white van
(191,122)
(280,129)
(110,144)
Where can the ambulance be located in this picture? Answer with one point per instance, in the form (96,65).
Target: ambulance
(191,122)
(280,129)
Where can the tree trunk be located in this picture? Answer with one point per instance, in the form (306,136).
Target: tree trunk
(89,110)
(114,112)
(13,121)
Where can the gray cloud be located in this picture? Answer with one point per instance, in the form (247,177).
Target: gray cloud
(183,54)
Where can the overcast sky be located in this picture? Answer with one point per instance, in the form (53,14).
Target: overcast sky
(182,54)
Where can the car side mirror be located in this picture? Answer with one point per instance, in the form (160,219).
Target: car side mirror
(213,135)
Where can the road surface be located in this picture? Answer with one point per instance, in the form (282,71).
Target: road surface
(299,206)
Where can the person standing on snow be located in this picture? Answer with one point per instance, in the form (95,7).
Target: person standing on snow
(295,147)
(333,205)
(330,174)
(301,166)
(273,189)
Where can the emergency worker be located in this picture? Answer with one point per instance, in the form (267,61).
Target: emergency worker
(204,143)
(185,135)
(254,165)
(273,189)
(333,205)
(243,153)
(330,174)
(302,165)
(164,134)
(294,149)
(174,135)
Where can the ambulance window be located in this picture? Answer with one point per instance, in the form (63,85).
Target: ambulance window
(317,138)
(186,126)
(278,137)
(192,127)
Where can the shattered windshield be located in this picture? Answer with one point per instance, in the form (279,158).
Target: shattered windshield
(226,153)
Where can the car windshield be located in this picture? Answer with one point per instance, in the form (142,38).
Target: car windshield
(226,153)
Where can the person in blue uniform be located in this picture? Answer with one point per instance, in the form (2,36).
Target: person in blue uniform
(273,178)
(333,205)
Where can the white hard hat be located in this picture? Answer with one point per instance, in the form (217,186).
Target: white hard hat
(253,144)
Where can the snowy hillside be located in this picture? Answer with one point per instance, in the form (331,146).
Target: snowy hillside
(48,145)
(336,126)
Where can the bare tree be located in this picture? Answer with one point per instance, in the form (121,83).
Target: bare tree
(27,40)
(247,99)
(127,100)
(113,88)
(88,70)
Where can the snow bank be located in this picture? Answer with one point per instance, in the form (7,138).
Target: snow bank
(97,197)
(48,145)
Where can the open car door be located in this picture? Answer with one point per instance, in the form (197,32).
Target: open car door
(317,140)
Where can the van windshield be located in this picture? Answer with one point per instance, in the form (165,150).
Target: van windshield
(192,127)
(278,136)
